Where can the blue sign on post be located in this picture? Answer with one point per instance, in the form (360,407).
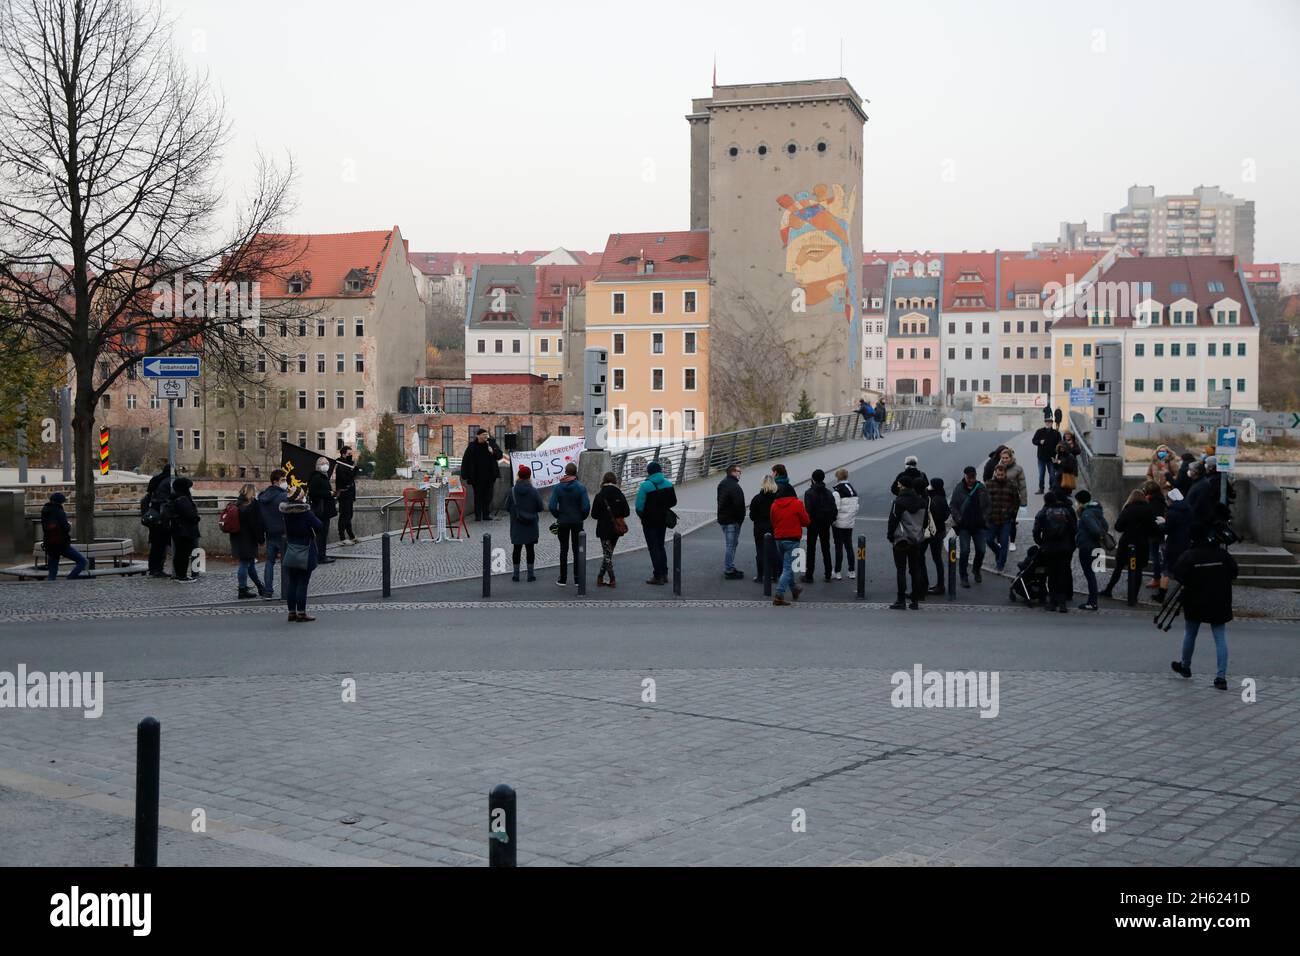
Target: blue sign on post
(1082,396)
(171,366)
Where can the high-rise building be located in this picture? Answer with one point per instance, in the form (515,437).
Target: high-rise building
(776,180)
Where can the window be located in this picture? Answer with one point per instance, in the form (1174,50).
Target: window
(1138,385)
(1215,286)
(688,301)
(302,328)
(1175,385)
(688,419)
(618,419)
(302,438)
(952,355)
(295,286)
(320,441)
(456,401)
(320,399)
(970,353)
(1020,327)
(1160,350)
(221,440)
(196,440)
(1241,350)
(963,385)
(559,345)
(984,328)
(1006,383)
(545,345)
(284,398)
(1006,351)
(688,379)
(952,328)
(302,363)
(360,362)
(359,399)
(911,353)
(1068,350)
(320,363)
(1139,350)
(338,399)
(241,399)
(340,362)
(1033,351)
(241,440)
(130,401)
(619,379)
(688,343)
(320,328)
(619,303)
(340,328)
(1069,384)
(1175,349)
(1087,349)
(657,343)
(261,362)
(1213,348)
(899,353)
(926,353)
(970,326)
(1006,328)
(1033,327)
(565,430)
(657,379)
(1159,385)
(656,303)
(1191,385)
(984,353)
(221,401)
(261,440)
(302,399)
(498,346)
(359,326)
(657,419)
(514,346)
(449,440)
(1191,350)
(1241,384)
(1019,384)
(1020,351)
(284,363)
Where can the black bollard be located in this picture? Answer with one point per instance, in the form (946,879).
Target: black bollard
(769,563)
(862,567)
(580,566)
(487,565)
(1134,579)
(677,564)
(147,757)
(502,829)
(387,551)
(952,568)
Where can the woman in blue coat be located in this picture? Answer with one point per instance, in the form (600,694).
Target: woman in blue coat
(524,504)
(301,527)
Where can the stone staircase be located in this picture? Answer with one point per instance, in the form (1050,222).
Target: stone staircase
(1258,567)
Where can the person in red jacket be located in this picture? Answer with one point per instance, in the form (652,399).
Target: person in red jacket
(789,518)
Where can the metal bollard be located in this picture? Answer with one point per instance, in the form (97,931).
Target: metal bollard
(1134,579)
(502,830)
(677,564)
(580,570)
(952,568)
(386,546)
(769,562)
(487,565)
(862,567)
(148,750)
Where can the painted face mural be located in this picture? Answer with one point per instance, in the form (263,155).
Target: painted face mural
(815,231)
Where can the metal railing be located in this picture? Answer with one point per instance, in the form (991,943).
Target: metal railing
(687,460)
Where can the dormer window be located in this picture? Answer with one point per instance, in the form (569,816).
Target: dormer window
(352,285)
(628,261)
(649,266)
(295,286)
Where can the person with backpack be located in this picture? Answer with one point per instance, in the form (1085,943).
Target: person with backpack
(524,504)
(345,493)
(183,517)
(302,530)
(610,509)
(731,515)
(819,502)
(1137,527)
(760,518)
(939,514)
(1093,530)
(1045,440)
(1004,506)
(151,511)
(242,521)
(969,508)
(1206,571)
(1055,533)
(56,532)
(321,497)
(909,526)
(846,519)
(569,506)
(268,509)
(789,518)
(907,477)
(655,499)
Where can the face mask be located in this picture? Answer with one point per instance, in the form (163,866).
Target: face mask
(1162,455)
(322,468)
(284,486)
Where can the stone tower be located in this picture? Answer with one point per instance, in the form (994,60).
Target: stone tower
(776,179)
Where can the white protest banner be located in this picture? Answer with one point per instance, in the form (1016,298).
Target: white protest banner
(547,462)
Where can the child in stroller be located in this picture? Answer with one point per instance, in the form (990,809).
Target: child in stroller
(1031,583)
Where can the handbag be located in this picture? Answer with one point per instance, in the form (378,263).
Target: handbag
(620,526)
(1068,481)
(670,518)
(1108,541)
(297,556)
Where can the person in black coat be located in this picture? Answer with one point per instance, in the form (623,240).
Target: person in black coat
(524,504)
(160,536)
(905,480)
(760,517)
(1045,440)
(819,502)
(991,463)
(244,542)
(731,515)
(1137,527)
(345,493)
(320,495)
(302,530)
(1206,572)
(940,512)
(478,469)
(57,538)
(608,505)
(185,529)
(1184,481)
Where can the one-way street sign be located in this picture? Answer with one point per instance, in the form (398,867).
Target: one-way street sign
(171,366)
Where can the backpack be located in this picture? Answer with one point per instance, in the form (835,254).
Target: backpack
(823,510)
(152,506)
(1056,530)
(229,520)
(880,413)
(54,536)
(911,531)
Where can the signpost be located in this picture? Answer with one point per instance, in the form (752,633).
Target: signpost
(1166,415)
(1083,396)
(170,372)
(1225,448)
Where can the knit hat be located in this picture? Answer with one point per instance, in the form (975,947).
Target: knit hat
(1083,496)
(936,484)
(525,473)
(182,485)
(653,468)
(818,475)
(58,498)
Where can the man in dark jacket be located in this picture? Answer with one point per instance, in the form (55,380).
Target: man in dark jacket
(907,530)
(57,536)
(1055,533)
(185,529)
(907,477)
(939,513)
(479,470)
(569,505)
(157,494)
(1004,506)
(320,495)
(731,515)
(268,507)
(345,493)
(1206,572)
(1045,440)
(819,502)
(655,499)
(1092,526)
(882,416)
(969,508)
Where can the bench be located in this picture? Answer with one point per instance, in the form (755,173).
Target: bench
(116,550)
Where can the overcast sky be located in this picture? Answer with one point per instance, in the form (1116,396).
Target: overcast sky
(504,125)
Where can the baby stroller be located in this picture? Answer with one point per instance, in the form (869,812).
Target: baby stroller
(1031,583)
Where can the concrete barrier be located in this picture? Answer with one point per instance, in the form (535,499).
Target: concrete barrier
(1259,513)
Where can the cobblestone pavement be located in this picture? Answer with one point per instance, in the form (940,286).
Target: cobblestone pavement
(717,770)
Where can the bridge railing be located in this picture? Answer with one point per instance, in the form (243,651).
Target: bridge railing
(686,460)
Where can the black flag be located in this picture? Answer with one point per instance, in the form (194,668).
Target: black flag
(299,463)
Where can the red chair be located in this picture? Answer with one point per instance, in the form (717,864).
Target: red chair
(454,527)
(416,504)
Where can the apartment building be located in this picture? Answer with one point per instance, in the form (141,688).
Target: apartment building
(648,306)
(967,331)
(499,320)
(556,286)
(912,335)
(875,278)
(1187,326)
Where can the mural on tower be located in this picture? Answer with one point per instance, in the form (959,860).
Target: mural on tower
(815,231)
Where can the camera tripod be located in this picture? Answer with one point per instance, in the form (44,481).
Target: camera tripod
(1172,607)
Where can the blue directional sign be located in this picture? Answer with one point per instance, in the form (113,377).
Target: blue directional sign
(171,366)
(1082,396)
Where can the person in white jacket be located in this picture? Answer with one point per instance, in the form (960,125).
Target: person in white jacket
(846,516)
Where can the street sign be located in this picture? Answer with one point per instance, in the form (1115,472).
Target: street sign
(1083,396)
(1225,448)
(171,366)
(172,388)
(1167,415)
(1220,397)
(1269,419)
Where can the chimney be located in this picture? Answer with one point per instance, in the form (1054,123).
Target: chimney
(640,262)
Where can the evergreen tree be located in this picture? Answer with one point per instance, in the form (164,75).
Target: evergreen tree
(387,454)
(805,410)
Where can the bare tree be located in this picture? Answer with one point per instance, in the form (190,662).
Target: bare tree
(109,159)
(758,361)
